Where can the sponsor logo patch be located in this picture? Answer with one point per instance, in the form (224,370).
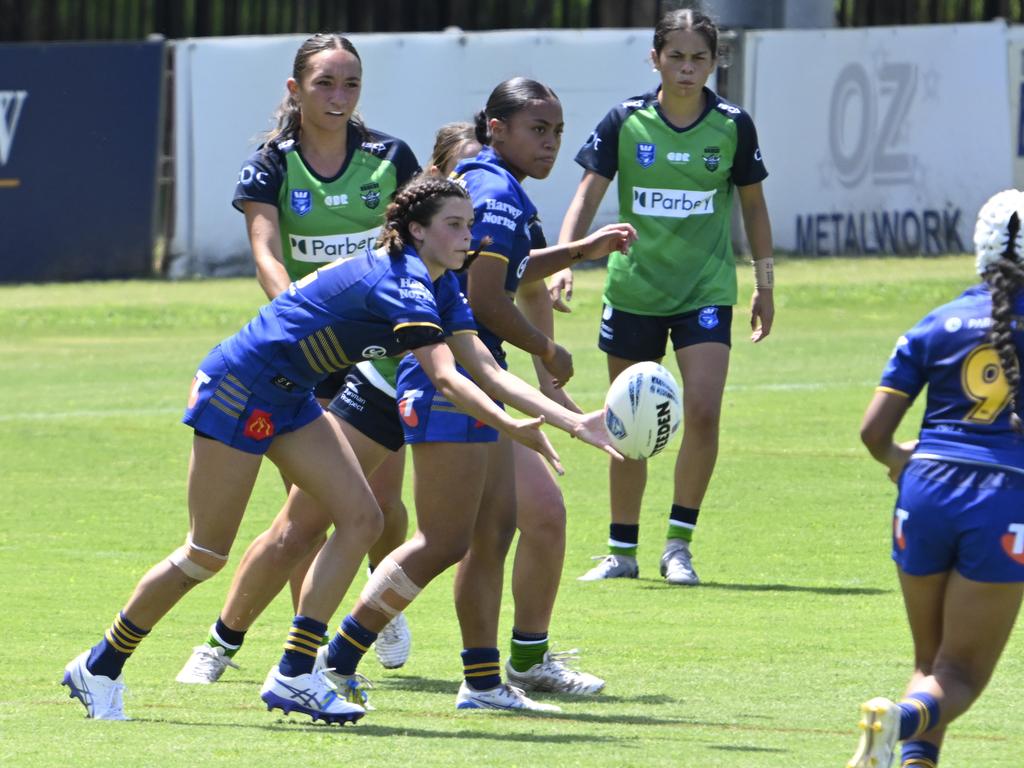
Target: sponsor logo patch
(259,426)
(712,158)
(302,201)
(370,194)
(645,154)
(197,382)
(282,383)
(708,317)
(673,203)
(1013,542)
(406,407)
(330,247)
(900,516)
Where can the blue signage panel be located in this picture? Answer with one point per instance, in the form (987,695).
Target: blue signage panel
(79,131)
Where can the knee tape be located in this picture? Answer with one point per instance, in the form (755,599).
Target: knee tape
(180,559)
(388,576)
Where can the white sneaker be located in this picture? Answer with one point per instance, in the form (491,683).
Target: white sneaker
(555,675)
(677,564)
(310,694)
(352,688)
(205,665)
(500,697)
(880,729)
(101,696)
(393,643)
(612,567)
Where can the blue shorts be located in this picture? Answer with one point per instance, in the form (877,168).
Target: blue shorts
(222,406)
(427,417)
(643,337)
(960,516)
(369,409)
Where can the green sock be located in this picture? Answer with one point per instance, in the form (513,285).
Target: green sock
(528,649)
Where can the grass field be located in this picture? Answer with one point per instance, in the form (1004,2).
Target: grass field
(799,618)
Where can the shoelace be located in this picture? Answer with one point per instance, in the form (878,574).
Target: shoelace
(213,662)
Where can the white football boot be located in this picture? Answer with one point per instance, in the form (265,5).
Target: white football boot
(880,730)
(310,694)
(393,643)
(352,688)
(677,564)
(102,697)
(500,697)
(612,567)
(555,674)
(205,665)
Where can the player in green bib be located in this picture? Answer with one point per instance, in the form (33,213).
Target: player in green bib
(681,153)
(316,190)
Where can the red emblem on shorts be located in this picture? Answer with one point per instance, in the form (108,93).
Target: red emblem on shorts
(198,381)
(1013,542)
(406,409)
(259,426)
(899,517)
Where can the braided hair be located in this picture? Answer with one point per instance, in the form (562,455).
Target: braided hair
(999,246)
(419,200)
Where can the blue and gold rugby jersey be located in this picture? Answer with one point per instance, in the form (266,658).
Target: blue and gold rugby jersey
(362,307)
(967,417)
(502,211)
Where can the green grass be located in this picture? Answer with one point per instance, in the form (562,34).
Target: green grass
(799,618)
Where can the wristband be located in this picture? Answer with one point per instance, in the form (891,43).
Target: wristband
(764,273)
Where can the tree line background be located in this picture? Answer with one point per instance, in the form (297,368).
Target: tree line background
(48,20)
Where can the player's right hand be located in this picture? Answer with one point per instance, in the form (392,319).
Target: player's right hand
(528,432)
(558,363)
(560,290)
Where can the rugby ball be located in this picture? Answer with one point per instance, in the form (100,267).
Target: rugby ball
(643,410)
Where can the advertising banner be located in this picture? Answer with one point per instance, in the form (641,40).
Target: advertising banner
(78,155)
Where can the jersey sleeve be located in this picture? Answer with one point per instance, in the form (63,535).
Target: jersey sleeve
(260,179)
(906,372)
(601,152)
(407,302)
(537,239)
(456,315)
(405,162)
(747,166)
(498,213)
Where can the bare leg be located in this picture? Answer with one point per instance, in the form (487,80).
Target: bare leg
(220,481)
(540,551)
(703,368)
(449,481)
(386,484)
(480,577)
(626,479)
(296,534)
(320,460)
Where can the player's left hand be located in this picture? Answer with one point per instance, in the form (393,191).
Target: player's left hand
(528,432)
(607,239)
(899,455)
(762,314)
(590,429)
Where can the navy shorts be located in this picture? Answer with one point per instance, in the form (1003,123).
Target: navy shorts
(643,337)
(428,418)
(332,385)
(369,409)
(960,516)
(223,407)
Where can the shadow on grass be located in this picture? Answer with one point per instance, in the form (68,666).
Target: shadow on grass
(745,748)
(430,685)
(364,730)
(657,584)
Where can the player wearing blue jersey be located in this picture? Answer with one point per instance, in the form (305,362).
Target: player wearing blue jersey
(682,155)
(253,396)
(315,190)
(460,463)
(958,523)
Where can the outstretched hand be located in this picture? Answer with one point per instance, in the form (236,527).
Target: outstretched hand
(607,239)
(528,432)
(590,429)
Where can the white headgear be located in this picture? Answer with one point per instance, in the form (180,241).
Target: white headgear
(999,232)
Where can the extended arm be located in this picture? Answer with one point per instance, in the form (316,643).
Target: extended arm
(577,221)
(264,228)
(759,233)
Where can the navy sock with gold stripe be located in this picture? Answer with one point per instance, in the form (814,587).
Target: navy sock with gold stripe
(347,647)
(482,668)
(109,654)
(301,646)
(919,754)
(919,713)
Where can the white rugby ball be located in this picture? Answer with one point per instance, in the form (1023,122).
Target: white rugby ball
(643,410)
